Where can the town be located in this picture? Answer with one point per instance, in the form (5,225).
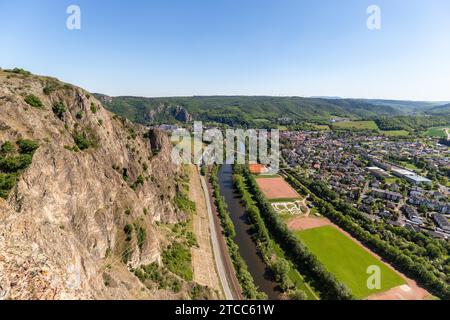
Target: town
(401,182)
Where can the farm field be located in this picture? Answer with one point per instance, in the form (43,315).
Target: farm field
(276,188)
(356,125)
(437,132)
(347,260)
(321,127)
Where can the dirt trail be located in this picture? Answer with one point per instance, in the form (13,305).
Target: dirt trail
(203,262)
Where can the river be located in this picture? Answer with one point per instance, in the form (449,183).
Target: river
(247,247)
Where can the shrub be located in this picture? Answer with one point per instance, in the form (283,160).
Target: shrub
(177,258)
(141,235)
(27,146)
(19,71)
(59,109)
(50,86)
(6,147)
(132,133)
(139,181)
(128,229)
(93,108)
(159,275)
(7,182)
(199,292)
(12,164)
(72,148)
(83,141)
(79,115)
(191,240)
(176,286)
(34,101)
(127,252)
(184,204)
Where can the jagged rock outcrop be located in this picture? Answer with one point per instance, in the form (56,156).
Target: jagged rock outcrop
(168,112)
(62,225)
(181,114)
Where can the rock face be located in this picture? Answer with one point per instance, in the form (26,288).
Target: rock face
(62,226)
(181,114)
(166,112)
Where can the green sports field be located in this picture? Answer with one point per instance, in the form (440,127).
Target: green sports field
(347,260)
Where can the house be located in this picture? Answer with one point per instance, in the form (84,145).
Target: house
(441,221)
(410,212)
(388,195)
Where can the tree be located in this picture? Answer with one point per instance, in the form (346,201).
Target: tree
(280,268)
(433,251)
(298,295)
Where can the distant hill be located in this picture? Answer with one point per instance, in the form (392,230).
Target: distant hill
(405,106)
(440,110)
(242,110)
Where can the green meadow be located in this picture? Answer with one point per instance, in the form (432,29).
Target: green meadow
(437,132)
(356,125)
(395,133)
(347,260)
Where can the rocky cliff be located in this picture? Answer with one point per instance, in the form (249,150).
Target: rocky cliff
(62,216)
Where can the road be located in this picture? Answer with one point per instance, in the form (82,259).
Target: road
(223,263)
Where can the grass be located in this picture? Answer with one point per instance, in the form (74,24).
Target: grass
(356,125)
(391,180)
(395,133)
(184,204)
(347,260)
(411,166)
(437,132)
(267,176)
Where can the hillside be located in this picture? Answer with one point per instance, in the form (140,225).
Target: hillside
(83,196)
(404,106)
(241,110)
(440,110)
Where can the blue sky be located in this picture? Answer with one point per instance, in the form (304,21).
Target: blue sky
(248,47)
